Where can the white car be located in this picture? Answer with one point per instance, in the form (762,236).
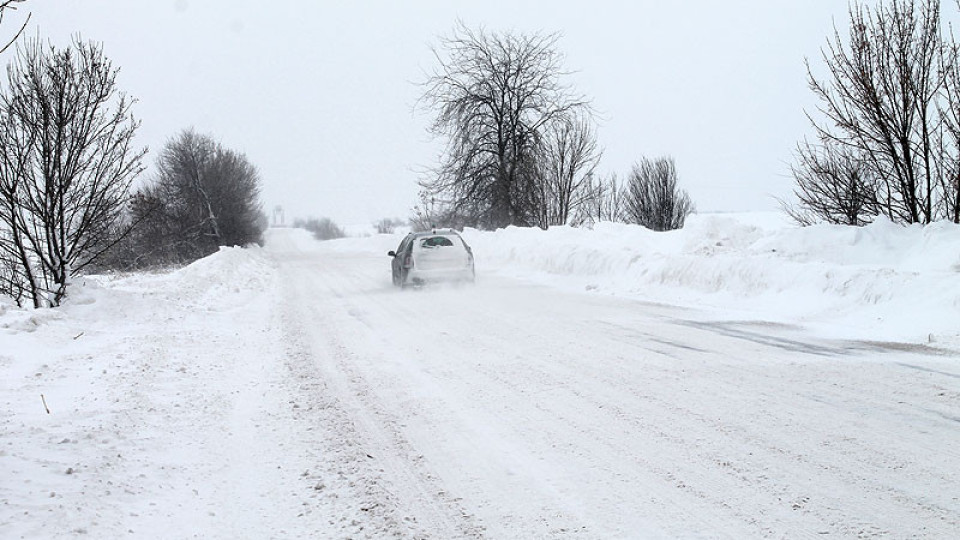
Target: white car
(433,256)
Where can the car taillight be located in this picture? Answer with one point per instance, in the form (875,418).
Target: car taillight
(408,262)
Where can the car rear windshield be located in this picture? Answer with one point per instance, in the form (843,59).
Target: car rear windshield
(432,242)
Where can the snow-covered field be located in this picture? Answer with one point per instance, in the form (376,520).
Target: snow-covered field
(740,378)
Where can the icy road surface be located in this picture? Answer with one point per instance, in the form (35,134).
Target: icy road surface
(292,392)
(508,410)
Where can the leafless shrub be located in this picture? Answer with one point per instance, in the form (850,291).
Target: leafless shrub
(652,198)
(834,185)
(66,163)
(387,225)
(322,228)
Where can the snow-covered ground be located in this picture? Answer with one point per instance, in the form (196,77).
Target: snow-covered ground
(738,378)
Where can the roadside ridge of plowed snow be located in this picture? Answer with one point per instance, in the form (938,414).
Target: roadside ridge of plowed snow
(232,272)
(882,280)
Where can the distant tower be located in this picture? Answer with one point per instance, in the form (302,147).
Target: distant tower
(278,216)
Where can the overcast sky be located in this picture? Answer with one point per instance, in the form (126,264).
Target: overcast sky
(321,95)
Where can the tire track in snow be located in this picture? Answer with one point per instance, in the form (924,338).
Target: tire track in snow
(401,493)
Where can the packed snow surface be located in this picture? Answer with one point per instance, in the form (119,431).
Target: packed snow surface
(739,378)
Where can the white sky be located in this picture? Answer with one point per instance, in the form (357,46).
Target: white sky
(320,95)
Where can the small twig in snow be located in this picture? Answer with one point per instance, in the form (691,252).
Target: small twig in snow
(44,400)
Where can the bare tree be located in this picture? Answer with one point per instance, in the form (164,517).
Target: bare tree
(6,6)
(834,184)
(604,201)
(880,101)
(203,196)
(569,159)
(233,199)
(652,197)
(66,163)
(949,110)
(494,96)
(184,170)
(430,213)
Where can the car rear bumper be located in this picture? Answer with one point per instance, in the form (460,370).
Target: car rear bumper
(417,275)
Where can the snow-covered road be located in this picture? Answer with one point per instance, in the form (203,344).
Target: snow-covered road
(510,410)
(292,392)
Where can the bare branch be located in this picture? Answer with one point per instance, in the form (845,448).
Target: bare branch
(7,6)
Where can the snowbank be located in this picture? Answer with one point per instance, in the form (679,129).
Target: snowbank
(112,407)
(230,277)
(880,281)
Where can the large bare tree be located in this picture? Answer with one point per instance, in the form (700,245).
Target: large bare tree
(66,162)
(881,107)
(494,95)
